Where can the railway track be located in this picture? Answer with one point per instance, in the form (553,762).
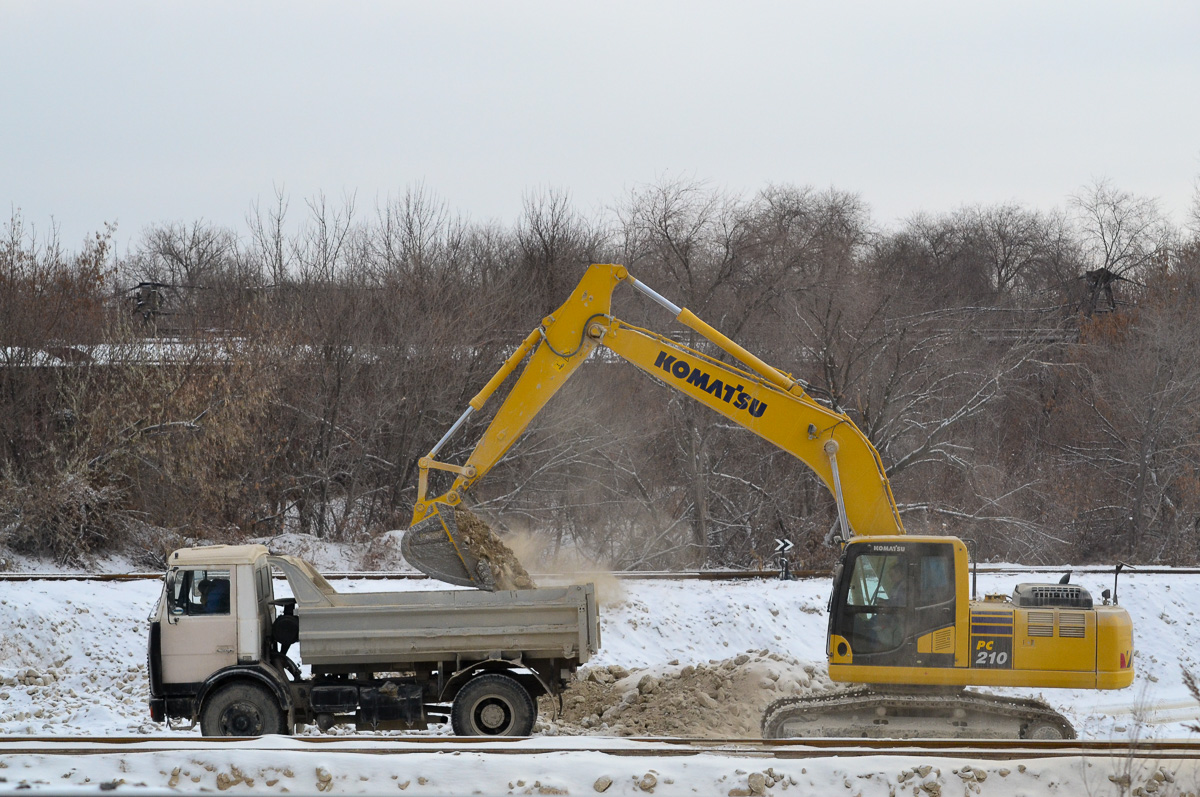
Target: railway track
(704,575)
(990,749)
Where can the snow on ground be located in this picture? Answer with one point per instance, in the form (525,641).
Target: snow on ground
(72,662)
(584,768)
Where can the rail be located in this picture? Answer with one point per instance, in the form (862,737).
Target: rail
(991,749)
(635,575)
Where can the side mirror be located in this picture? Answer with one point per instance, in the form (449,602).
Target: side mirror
(168,596)
(174,609)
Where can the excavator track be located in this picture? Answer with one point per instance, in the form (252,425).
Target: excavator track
(865,713)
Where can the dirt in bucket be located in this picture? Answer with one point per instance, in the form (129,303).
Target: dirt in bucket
(485,545)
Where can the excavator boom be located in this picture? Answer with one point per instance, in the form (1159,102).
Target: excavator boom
(763,399)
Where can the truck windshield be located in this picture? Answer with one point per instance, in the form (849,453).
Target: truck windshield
(200,592)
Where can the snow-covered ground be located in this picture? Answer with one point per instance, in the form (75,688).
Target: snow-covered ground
(72,662)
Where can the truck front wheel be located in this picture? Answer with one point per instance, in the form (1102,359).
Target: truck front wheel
(241,709)
(493,705)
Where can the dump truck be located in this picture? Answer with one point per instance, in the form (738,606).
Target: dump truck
(227,655)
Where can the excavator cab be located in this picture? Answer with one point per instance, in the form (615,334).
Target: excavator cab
(895,602)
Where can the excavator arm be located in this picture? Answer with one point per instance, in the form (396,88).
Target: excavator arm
(751,393)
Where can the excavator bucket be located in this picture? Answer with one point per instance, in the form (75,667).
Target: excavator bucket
(434,547)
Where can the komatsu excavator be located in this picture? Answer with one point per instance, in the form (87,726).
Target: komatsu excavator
(903,626)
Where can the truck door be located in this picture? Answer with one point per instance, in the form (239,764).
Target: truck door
(199,636)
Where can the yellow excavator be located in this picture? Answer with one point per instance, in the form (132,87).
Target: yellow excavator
(903,626)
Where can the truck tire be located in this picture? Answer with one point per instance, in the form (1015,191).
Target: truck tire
(493,705)
(241,709)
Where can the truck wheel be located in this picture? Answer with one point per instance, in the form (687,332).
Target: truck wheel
(241,710)
(493,705)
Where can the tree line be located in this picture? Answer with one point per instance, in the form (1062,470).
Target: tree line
(1031,378)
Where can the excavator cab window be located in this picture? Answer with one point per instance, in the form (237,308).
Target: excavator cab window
(875,602)
(936,579)
(876,580)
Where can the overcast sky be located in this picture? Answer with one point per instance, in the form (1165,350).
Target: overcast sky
(150,112)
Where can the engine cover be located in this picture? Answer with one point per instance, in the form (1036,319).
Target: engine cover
(1031,596)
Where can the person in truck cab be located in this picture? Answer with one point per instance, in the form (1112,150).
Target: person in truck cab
(215,596)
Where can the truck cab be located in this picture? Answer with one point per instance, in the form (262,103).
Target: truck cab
(212,622)
(216,612)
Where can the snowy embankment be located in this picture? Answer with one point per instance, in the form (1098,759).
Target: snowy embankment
(72,662)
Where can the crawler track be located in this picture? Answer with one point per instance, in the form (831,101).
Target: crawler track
(966,715)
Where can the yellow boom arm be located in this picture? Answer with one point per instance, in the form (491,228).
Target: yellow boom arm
(753,394)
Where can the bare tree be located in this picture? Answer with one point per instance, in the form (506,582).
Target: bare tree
(185,255)
(693,241)
(1123,236)
(271,249)
(53,308)
(309,366)
(555,243)
(1193,214)
(319,246)
(1131,431)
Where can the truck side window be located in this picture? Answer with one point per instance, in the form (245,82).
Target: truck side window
(263,590)
(200,592)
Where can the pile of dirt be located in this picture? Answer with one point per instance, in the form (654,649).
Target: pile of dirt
(718,699)
(477,536)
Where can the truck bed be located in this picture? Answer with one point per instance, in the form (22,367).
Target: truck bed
(395,630)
